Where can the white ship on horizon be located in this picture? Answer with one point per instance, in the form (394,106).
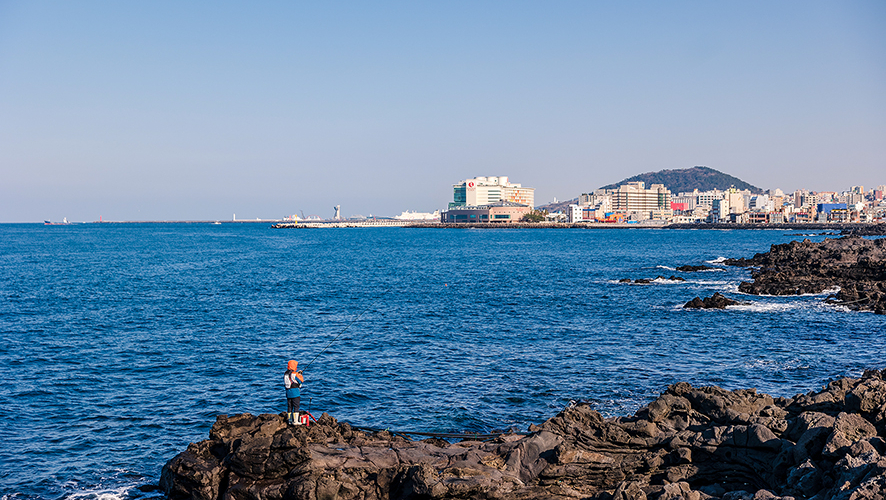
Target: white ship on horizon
(425,216)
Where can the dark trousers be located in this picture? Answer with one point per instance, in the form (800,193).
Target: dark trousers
(292,404)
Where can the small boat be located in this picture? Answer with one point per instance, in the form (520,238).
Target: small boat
(50,223)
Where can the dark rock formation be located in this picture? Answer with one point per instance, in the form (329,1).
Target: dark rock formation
(716,301)
(692,269)
(854,264)
(690,443)
(646,281)
(867,230)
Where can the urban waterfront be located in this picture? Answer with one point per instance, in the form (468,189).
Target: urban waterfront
(122,343)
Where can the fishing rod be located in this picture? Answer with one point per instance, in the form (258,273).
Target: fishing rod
(349,325)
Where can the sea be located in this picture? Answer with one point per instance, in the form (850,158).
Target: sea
(122,343)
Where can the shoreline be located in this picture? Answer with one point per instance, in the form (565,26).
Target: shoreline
(864,228)
(813,226)
(689,443)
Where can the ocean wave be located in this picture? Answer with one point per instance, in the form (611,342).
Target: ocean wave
(771,365)
(765,307)
(667,281)
(718,260)
(667,267)
(120,493)
(837,307)
(753,307)
(823,293)
(712,283)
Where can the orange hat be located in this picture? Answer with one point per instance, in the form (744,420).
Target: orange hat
(293,365)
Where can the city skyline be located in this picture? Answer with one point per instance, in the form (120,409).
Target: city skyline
(199,111)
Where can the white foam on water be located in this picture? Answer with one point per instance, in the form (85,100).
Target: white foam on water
(775,366)
(753,307)
(765,307)
(667,281)
(836,307)
(718,260)
(100,494)
(823,293)
(728,284)
(667,267)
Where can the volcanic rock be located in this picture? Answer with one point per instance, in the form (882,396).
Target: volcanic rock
(646,281)
(690,443)
(692,269)
(855,265)
(716,301)
(867,230)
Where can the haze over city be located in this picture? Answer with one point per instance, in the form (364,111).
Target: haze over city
(161,110)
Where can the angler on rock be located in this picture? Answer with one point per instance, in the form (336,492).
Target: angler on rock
(292,381)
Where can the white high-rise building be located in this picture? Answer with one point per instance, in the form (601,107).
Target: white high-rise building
(481,191)
(634,197)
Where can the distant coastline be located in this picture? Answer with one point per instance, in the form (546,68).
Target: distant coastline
(836,227)
(247,221)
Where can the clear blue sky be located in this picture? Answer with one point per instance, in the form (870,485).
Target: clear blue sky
(199,110)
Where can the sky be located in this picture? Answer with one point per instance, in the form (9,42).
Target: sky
(202,110)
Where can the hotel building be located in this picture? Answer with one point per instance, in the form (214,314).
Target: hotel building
(482,191)
(633,197)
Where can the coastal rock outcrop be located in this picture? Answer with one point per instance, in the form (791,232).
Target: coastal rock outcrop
(855,265)
(692,269)
(646,281)
(690,443)
(867,230)
(716,301)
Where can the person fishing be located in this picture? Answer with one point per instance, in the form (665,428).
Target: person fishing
(292,381)
(294,378)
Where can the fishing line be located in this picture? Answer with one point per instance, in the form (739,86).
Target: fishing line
(349,325)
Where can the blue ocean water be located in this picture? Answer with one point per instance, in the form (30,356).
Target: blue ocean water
(121,343)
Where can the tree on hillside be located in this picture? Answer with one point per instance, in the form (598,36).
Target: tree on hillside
(701,178)
(535,216)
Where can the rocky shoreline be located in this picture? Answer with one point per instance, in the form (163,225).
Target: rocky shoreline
(716,301)
(855,265)
(690,443)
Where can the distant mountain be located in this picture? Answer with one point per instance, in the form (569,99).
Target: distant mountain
(687,179)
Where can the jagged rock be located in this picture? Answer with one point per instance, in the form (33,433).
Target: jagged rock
(646,281)
(716,301)
(867,230)
(690,443)
(692,269)
(855,265)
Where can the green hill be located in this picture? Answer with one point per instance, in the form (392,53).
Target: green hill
(687,179)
